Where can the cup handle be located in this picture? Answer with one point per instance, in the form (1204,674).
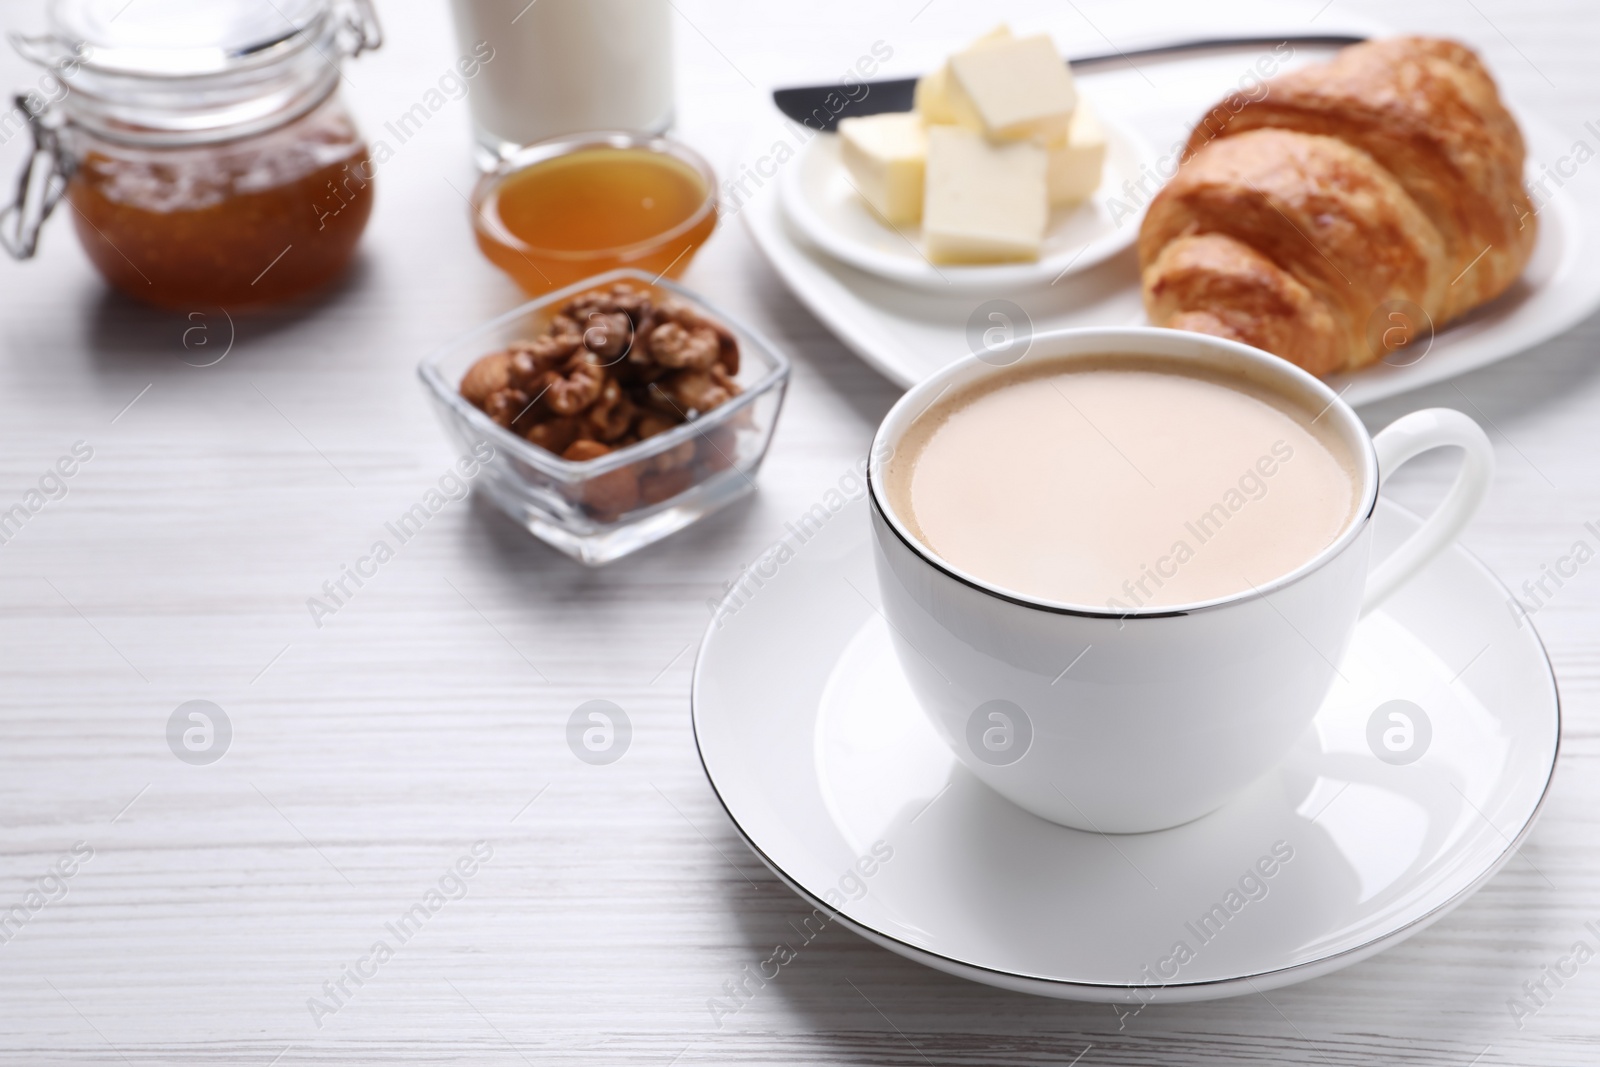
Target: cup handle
(1404,440)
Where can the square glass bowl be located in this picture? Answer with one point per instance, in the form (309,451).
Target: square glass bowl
(571,505)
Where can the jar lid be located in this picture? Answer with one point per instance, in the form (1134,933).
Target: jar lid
(180,37)
(192,71)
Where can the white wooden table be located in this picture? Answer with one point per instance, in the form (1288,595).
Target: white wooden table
(368,755)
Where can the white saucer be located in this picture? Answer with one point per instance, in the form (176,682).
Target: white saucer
(821,202)
(813,743)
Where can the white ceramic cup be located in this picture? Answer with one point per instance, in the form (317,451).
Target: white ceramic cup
(1166,712)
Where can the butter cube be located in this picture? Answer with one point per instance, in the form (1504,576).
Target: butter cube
(1074,165)
(985,202)
(933,98)
(933,95)
(886,156)
(1018,88)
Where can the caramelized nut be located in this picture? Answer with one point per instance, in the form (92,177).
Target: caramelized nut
(612,369)
(608,335)
(674,310)
(610,494)
(676,346)
(486,377)
(565,326)
(556,434)
(530,359)
(612,413)
(578,451)
(692,392)
(657,486)
(717,448)
(509,408)
(730,349)
(635,303)
(650,424)
(576,386)
(679,455)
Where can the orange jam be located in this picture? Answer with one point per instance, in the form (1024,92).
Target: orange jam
(565,218)
(243,223)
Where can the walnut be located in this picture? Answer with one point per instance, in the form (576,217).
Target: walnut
(554,346)
(692,393)
(578,451)
(650,424)
(612,414)
(576,385)
(718,447)
(579,307)
(608,495)
(621,297)
(679,455)
(674,310)
(613,368)
(611,494)
(530,360)
(608,334)
(510,408)
(660,402)
(536,386)
(676,346)
(657,486)
(634,303)
(639,368)
(489,375)
(557,434)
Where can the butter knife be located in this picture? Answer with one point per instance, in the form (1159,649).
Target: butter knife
(822,106)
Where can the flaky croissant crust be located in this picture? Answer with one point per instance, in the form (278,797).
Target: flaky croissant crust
(1391,173)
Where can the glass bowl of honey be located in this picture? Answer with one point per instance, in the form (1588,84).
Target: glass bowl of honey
(661,438)
(572,207)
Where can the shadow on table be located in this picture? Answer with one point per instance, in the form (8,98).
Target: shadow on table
(858,1003)
(516,551)
(124,334)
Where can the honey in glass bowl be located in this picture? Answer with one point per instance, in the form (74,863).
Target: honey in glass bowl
(567,209)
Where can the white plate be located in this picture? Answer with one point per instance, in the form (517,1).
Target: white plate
(821,202)
(907,334)
(815,746)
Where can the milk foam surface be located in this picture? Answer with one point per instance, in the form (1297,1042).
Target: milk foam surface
(1123,485)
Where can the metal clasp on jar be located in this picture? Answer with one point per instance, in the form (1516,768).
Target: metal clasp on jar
(361,33)
(40,186)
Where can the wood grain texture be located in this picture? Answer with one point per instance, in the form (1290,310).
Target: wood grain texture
(371,753)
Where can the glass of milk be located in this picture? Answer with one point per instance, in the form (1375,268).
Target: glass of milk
(566,66)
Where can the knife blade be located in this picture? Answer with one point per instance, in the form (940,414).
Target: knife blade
(822,106)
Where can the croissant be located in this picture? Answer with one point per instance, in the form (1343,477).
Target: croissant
(1391,173)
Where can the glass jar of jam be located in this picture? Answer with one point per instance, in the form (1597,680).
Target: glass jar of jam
(201,145)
